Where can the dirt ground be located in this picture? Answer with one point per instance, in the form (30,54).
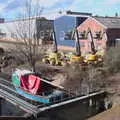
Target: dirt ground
(113,87)
(53,73)
(112,114)
(57,75)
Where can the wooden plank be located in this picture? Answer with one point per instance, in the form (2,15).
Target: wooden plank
(50,83)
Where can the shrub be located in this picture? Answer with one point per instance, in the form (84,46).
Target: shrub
(75,75)
(112,60)
(82,80)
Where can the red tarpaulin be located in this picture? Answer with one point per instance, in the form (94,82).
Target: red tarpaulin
(31,83)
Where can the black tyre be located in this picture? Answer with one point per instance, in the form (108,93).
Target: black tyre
(52,62)
(1,51)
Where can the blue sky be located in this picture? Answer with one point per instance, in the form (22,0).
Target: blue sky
(10,9)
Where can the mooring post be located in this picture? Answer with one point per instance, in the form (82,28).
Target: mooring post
(90,102)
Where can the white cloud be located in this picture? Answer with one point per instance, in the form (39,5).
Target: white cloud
(45,3)
(95,6)
(74,5)
(111,2)
(4,5)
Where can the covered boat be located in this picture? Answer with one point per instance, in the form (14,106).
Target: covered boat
(33,87)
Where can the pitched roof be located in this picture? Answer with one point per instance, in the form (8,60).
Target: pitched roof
(109,22)
(55,15)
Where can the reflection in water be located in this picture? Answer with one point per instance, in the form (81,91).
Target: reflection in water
(80,110)
(8,109)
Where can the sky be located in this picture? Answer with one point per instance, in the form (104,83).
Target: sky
(11,9)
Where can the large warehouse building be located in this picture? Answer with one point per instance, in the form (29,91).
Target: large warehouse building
(39,27)
(12,32)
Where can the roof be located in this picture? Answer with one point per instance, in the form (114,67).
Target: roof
(78,13)
(57,14)
(27,19)
(109,22)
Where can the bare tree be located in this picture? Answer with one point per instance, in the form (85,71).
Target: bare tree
(25,33)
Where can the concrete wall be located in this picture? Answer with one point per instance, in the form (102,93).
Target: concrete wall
(26,28)
(18,28)
(15,31)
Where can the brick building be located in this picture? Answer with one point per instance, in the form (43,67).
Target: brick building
(105,31)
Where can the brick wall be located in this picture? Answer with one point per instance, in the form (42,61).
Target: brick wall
(92,24)
(95,26)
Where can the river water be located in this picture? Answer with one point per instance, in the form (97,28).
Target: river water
(80,110)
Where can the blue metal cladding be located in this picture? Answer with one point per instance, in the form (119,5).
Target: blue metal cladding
(63,25)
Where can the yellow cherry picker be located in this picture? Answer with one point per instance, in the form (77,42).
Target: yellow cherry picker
(93,57)
(53,57)
(75,58)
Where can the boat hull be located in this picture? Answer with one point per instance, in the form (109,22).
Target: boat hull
(33,97)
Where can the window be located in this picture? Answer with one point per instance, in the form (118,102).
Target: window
(2,34)
(47,34)
(83,35)
(79,34)
(98,35)
(42,34)
(13,35)
(25,35)
(34,36)
(68,35)
(62,35)
(117,41)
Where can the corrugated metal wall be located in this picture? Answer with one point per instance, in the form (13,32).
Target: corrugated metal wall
(66,24)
